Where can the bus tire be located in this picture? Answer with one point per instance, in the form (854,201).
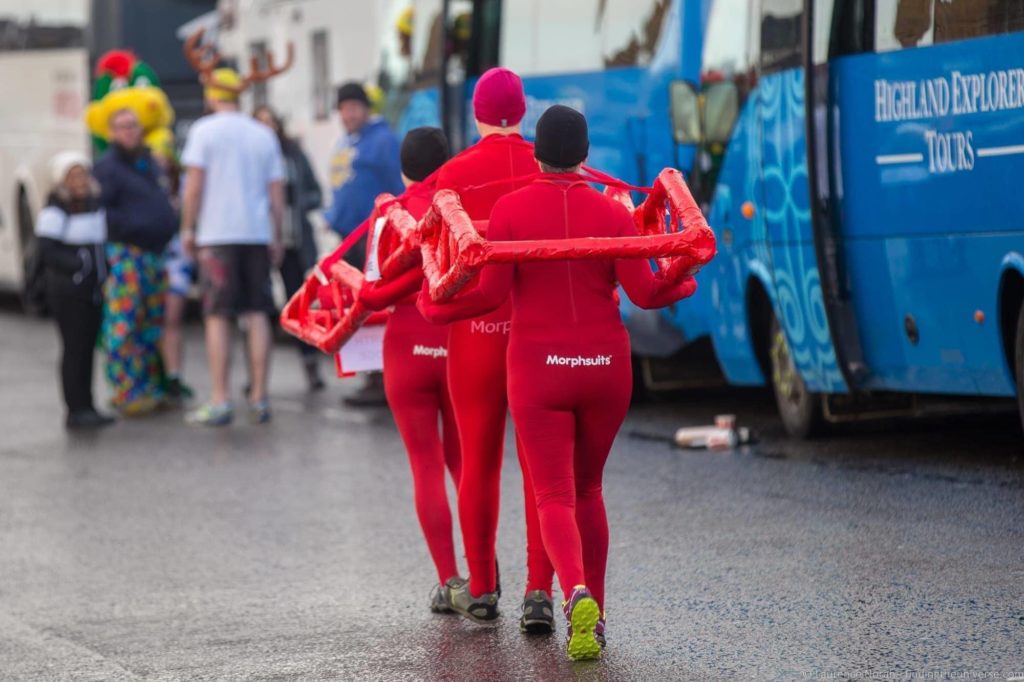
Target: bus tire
(1018,365)
(801,411)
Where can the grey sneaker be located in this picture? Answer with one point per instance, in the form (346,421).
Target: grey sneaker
(259,412)
(538,614)
(482,610)
(439,599)
(209,414)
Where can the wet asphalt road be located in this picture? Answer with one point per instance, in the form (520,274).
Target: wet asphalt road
(156,551)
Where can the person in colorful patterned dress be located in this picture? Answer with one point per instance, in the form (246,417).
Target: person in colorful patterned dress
(140,223)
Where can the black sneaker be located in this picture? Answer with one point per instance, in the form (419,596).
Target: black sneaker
(177,393)
(538,614)
(482,610)
(439,599)
(88,419)
(599,632)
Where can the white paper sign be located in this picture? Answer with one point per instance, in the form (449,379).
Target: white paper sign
(373,261)
(364,352)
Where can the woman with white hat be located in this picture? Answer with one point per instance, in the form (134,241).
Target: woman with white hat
(71,231)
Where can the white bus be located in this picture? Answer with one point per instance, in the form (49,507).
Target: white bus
(45,72)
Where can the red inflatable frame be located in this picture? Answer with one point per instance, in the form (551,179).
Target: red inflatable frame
(454,251)
(326,311)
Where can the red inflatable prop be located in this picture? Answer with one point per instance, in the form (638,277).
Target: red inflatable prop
(398,245)
(325,311)
(454,251)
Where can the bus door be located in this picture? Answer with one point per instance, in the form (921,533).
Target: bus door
(786,199)
(928,132)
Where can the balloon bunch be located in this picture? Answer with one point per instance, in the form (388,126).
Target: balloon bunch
(122,81)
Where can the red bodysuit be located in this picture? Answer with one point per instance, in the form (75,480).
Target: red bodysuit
(416,385)
(569,373)
(476,377)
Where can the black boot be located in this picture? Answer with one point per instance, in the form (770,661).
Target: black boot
(371,394)
(87,419)
(313,380)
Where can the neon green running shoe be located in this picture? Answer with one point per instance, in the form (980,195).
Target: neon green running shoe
(209,414)
(583,613)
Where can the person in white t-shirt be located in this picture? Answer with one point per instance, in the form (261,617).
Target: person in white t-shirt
(231,220)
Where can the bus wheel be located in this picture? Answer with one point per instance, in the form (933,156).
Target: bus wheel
(1018,370)
(801,410)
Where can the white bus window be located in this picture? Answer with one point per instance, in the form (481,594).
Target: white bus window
(53,25)
(900,24)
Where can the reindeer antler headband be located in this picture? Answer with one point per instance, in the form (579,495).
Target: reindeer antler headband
(205,58)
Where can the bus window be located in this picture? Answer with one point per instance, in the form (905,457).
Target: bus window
(916,23)
(727,77)
(22,29)
(780,35)
(427,45)
(544,37)
(631,30)
(411,52)
(851,30)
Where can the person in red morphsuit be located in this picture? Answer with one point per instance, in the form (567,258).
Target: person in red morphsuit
(415,372)
(496,165)
(569,373)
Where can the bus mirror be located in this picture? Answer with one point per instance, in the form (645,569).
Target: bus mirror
(683,103)
(721,108)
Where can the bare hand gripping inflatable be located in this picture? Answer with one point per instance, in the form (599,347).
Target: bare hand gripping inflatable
(454,251)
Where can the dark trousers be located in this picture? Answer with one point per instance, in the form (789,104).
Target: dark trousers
(79,323)
(293,274)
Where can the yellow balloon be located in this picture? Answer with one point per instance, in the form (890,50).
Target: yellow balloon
(161,143)
(149,103)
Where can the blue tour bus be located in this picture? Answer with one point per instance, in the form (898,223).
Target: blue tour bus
(855,158)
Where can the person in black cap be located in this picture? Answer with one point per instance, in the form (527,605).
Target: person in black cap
(415,373)
(365,163)
(569,372)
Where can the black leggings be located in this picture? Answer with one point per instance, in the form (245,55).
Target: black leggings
(78,321)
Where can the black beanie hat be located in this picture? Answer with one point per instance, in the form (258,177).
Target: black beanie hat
(424,150)
(352,90)
(562,139)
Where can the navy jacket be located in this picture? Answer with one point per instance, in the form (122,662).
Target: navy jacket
(138,210)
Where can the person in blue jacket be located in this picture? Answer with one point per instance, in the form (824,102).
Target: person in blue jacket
(365,163)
